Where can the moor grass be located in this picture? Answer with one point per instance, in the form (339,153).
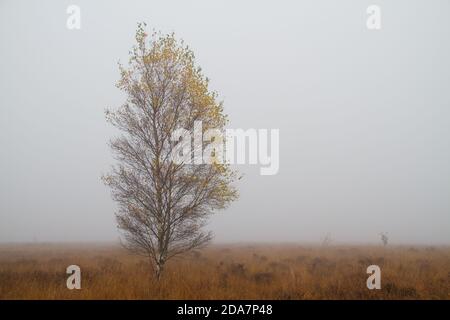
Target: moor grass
(38,271)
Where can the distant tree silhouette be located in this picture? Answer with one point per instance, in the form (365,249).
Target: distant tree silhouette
(384,238)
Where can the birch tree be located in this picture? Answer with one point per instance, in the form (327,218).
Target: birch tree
(163,206)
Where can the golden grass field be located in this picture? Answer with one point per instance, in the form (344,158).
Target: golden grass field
(37,271)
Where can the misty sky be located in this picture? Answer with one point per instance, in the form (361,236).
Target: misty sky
(364,116)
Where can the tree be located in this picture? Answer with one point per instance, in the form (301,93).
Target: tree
(163,205)
(326,241)
(384,238)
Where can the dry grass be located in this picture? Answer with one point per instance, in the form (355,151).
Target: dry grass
(226,272)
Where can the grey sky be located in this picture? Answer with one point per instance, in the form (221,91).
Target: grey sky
(364,116)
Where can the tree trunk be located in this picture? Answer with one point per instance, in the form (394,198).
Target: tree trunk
(159,270)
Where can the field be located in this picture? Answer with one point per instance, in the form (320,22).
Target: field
(38,271)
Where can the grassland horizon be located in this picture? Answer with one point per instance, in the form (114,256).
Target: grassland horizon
(226,271)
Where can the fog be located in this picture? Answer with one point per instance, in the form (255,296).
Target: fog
(364,115)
